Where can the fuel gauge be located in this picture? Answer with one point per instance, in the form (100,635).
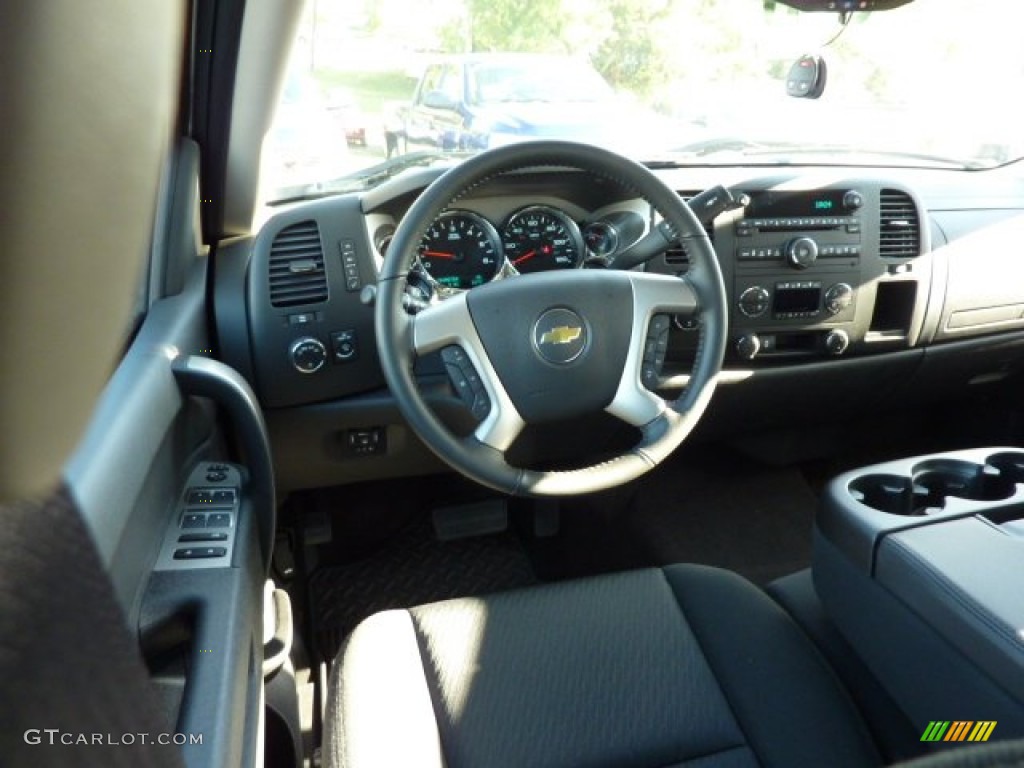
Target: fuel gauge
(602,238)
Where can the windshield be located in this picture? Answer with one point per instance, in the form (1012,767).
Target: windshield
(389,83)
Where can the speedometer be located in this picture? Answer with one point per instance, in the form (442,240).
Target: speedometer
(540,238)
(461,250)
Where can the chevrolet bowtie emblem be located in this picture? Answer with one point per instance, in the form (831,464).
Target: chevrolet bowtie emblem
(563,334)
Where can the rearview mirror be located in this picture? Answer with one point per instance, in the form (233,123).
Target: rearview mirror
(843,6)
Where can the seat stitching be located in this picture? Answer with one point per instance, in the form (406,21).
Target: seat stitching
(432,675)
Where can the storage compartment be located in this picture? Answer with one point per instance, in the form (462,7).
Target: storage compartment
(894,308)
(919,562)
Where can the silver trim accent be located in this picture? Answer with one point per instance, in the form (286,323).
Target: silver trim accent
(449,322)
(652,293)
(307,340)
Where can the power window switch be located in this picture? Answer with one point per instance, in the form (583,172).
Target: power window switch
(192,538)
(218,520)
(193,521)
(224,497)
(200,553)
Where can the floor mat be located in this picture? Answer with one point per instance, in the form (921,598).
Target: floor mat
(410,569)
(725,510)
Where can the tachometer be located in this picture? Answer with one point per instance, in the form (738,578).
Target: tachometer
(461,250)
(540,238)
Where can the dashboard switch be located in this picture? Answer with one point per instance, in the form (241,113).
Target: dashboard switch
(308,354)
(748,345)
(344,347)
(366,441)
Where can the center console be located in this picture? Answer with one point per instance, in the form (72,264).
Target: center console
(821,268)
(920,563)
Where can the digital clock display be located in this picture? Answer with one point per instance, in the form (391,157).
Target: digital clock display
(783,204)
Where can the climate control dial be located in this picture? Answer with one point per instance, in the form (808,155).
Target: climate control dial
(753,302)
(801,252)
(838,297)
(837,341)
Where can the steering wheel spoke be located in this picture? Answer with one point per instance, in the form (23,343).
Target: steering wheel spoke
(655,299)
(448,327)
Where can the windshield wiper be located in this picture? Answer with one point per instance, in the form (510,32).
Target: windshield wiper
(367,178)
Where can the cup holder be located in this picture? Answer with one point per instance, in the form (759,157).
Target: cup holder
(1009,464)
(932,482)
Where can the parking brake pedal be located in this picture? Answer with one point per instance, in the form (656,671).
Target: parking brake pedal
(461,521)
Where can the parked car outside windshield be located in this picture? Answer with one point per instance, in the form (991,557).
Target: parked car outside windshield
(928,84)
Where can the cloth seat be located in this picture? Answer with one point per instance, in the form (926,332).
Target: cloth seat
(678,666)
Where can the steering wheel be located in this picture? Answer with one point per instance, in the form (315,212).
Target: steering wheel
(553,345)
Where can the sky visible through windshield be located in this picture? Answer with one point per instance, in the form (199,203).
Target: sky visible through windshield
(936,77)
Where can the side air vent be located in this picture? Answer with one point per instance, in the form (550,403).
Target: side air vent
(297,266)
(900,231)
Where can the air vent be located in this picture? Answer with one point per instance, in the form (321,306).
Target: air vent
(677,256)
(297,266)
(900,231)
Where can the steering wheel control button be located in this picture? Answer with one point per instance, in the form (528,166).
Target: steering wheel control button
(308,354)
(193,520)
(753,302)
(655,347)
(560,336)
(466,381)
(199,553)
(344,347)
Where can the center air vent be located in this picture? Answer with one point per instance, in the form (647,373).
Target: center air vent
(900,229)
(677,255)
(297,266)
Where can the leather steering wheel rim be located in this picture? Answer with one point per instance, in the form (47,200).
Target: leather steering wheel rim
(401,337)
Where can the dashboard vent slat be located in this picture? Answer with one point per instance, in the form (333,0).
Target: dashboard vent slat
(677,256)
(899,235)
(296,268)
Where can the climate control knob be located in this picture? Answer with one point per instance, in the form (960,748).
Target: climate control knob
(748,345)
(308,354)
(801,252)
(837,341)
(838,297)
(753,302)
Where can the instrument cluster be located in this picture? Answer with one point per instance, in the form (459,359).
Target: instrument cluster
(463,249)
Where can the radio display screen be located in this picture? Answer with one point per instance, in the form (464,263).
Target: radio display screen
(782,204)
(796,300)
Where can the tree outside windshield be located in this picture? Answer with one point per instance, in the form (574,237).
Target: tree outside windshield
(935,77)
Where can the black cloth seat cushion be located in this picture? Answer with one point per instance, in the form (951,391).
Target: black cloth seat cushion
(681,666)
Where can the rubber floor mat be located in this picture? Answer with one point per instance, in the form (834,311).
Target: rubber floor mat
(411,569)
(731,513)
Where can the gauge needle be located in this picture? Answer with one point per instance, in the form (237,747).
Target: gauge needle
(524,257)
(439,255)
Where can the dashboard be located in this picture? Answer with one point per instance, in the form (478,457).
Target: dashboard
(847,288)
